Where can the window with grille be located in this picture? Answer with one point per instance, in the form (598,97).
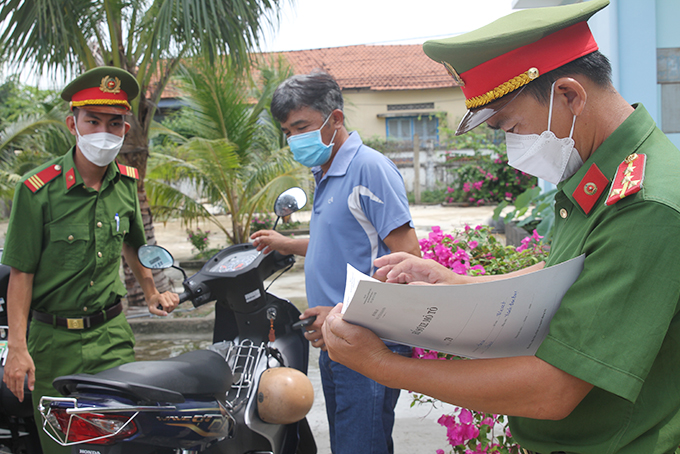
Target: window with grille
(403,128)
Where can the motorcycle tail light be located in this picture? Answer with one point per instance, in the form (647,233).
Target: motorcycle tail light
(102,429)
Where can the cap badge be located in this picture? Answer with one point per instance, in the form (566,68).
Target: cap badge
(454,74)
(110,85)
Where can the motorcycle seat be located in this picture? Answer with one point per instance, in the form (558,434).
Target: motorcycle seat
(201,372)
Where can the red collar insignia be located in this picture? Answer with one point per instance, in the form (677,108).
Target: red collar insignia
(590,188)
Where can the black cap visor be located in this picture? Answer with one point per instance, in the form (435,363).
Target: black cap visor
(477,116)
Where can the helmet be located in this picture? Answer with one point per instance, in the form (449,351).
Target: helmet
(284,395)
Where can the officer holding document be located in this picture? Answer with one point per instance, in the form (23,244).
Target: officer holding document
(606,378)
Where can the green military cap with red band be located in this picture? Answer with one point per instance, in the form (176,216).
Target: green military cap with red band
(493,64)
(104,89)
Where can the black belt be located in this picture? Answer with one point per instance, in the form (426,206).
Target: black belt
(80,322)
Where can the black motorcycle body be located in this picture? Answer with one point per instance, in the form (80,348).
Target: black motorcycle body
(201,401)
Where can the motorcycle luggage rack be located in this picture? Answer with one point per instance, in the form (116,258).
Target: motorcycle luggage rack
(243,358)
(53,428)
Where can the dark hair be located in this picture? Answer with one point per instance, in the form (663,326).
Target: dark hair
(594,66)
(318,91)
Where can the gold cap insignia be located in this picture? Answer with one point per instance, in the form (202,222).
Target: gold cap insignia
(110,84)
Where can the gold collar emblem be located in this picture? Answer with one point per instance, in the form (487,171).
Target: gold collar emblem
(110,85)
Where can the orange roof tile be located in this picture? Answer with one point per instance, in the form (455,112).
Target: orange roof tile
(377,67)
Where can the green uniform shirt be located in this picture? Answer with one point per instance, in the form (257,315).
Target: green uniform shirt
(71,238)
(618,326)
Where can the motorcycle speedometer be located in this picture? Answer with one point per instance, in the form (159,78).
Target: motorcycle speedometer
(235,262)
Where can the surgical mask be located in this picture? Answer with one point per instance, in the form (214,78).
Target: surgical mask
(545,156)
(100,148)
(308,148)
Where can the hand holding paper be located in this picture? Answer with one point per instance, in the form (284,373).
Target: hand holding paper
(352,345)
(501,318)
(403,268)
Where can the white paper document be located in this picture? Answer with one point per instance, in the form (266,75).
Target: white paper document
(507,317)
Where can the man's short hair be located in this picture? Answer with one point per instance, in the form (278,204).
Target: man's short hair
(318,91)
(594,66)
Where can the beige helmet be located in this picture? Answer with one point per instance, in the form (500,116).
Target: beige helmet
(284,395)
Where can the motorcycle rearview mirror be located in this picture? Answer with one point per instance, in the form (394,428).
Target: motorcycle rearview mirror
(156,257)
(289,202)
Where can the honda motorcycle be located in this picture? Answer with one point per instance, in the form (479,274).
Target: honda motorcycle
(247,393)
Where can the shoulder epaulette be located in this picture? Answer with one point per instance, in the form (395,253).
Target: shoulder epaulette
(629,178)
(128,171)
(43,177)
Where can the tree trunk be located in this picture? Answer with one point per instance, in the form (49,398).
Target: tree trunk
(135,153)
(135,295)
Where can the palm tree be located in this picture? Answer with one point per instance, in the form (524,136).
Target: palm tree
(148,38)
(235,159)
(32,131)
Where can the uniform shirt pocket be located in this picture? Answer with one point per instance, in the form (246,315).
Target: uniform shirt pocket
(69,243)
(118,232)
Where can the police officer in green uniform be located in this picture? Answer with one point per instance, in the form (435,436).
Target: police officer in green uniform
(606,379)
(70,220)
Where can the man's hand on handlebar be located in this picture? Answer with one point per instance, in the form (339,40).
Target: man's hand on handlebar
(163,303)
(270,240)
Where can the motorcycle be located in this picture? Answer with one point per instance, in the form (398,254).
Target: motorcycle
(247,393)
(18,431)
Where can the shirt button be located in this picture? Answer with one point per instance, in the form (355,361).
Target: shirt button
(563,213)
(99,254)
(99,224)
(70,237)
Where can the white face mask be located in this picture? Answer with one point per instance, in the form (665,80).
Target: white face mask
(545,156)
(100,148)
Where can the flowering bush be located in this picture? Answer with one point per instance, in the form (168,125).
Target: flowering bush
(261,222)
(199,239)
(489,179)
(484,177)
(475,251)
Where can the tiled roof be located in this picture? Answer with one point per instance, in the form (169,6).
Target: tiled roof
(389,67)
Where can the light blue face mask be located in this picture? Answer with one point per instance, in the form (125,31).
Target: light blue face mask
(308,148)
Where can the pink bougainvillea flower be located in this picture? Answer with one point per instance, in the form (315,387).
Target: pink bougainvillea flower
(478,268)
(465,416)
(459,268)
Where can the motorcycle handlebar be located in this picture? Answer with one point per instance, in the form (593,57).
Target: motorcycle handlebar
(184,296)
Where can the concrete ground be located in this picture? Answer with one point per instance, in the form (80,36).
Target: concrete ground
(416,429)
